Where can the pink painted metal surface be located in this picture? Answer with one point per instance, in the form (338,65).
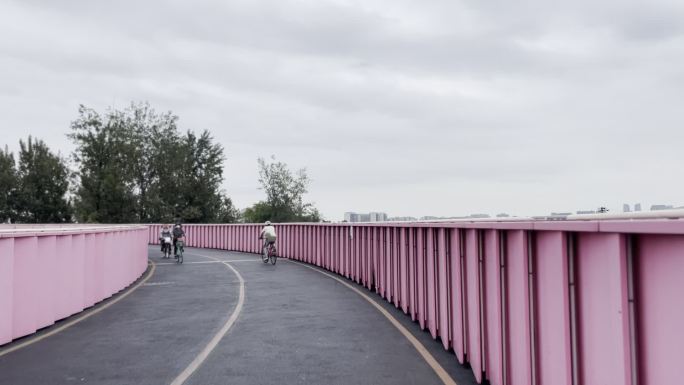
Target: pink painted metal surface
(552,308)
(518,345)
(473,331)
(47,274)
(443,289)
(431,283)
(493,302)
(456,281)
(523,302)
(660,308)
(602,309)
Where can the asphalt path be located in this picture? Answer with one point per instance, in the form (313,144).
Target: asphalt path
(227,318)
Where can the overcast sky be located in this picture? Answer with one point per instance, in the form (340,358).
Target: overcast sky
(409,107)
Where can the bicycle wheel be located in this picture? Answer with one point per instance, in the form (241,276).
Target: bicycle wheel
(272,254)
(264,254)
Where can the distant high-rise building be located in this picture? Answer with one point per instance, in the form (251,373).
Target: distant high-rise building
(626,208)
(402,219)
(365,217)
(661,207)
(637,207)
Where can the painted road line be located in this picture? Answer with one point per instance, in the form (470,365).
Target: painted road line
(186,263)
(422,350)
(202,356)
(87,315)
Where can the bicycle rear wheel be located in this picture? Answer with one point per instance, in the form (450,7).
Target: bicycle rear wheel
(272,254)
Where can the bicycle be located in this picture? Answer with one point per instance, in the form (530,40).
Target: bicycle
(180,245)
(269,254)
(167,247)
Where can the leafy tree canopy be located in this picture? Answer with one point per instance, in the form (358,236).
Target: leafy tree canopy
(42,185)
(135,165)
(284,195)
(8,186)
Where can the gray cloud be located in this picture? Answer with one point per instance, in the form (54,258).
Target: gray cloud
(431,107)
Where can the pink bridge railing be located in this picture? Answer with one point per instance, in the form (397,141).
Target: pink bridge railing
(49,272)
(524,303)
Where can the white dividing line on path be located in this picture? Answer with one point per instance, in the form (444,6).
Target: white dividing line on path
(187,263)
(422,350)
(202,356)
(209,262)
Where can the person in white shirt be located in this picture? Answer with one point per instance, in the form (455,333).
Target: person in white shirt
(268,234)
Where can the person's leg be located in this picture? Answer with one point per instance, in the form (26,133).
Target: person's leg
(175,247)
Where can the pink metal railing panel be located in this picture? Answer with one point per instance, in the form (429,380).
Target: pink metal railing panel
(6,288)
(24,309)
(659,265)
(602,309)
(45,272)
(472,250)
(456,291)
(443,289)
(523,302)
(493,304)
(403,270)
(553,309)
(49,273)
(420,281)
(518,310)
(431,283)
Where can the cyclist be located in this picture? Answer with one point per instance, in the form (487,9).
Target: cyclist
(177,233)
(165,232)
(268,234)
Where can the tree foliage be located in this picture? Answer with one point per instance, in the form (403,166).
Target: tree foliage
(8,186)
(136,166)
(42,185)
(284,195)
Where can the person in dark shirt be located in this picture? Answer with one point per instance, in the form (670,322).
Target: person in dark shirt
(177,233)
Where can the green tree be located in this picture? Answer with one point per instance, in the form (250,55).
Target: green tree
(284,195)
(105,155)
(43,183)
(8,186)
(136,166)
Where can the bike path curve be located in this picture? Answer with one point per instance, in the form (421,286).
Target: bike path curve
(296,326)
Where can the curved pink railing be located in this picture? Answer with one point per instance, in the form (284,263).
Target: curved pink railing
(49,272)
(524,303)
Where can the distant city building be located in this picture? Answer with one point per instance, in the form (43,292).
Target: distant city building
(583,212)
(502,215)
(478,216)
(661,207)
(402,219)
(626,208)
(560,214)
(637,207)
(365,217)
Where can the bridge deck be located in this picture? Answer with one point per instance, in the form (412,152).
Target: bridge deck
(296,326)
